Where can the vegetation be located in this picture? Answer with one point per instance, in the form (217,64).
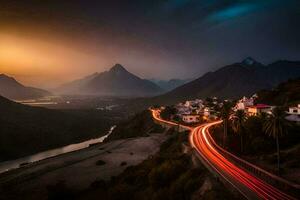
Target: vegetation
(100,162)
(286,94)
(275,127)
(239,119)
(225,114)
(25,130)
(60,191)
(139,125)
(260,148)
(168,112)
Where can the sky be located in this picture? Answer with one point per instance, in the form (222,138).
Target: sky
(44,43)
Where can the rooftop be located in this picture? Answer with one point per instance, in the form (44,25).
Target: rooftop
(260,106)
(190,114)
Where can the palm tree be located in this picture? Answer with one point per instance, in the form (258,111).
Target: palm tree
(225,114)
(263,117)
(239,119)
(275,127)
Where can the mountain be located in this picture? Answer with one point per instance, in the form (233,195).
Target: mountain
(25,130)
(115,82)
(168,85)
(234,81)
(12,89)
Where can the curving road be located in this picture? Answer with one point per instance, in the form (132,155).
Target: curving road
(250,186)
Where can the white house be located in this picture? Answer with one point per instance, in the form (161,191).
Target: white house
(294,114)
(182,109)
(259,108)
(206,112)
(190,118)
(194,102)
(294,110)
(243,103)
(188,103)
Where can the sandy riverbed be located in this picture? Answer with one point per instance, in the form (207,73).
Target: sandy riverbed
(77,169)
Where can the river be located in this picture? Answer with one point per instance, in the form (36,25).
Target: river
(13,164)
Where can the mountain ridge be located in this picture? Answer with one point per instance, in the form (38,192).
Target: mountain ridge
(117,81)
(233,81)
(12,89)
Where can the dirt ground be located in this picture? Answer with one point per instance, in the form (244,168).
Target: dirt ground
(78,169)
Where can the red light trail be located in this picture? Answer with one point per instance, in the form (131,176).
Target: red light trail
(248,185)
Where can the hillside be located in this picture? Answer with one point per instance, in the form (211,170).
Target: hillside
(12,89)
(286,93)
(141,124)
(234,81)
(115,82)
(25,130)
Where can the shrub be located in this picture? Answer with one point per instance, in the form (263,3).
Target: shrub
(100,162)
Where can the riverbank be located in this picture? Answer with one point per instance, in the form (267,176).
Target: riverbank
(21,162)
(77,170)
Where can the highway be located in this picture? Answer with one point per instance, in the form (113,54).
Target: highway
(213,157)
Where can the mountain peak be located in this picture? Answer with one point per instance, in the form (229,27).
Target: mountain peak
(116,81)
(249,61)
(118,68)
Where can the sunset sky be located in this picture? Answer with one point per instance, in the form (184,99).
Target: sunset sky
(45,43)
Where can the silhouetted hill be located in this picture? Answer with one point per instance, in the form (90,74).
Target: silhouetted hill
(141,124)
(12,89)
(25,130)
(286,93)
(115,82)
(234,81)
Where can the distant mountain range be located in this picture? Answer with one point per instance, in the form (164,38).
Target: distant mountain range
(115,82)
(12,89)
(168,85)
(234,81)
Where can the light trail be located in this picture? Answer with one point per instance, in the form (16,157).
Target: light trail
(250,186)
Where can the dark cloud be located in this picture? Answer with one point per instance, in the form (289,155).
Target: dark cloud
(189,37)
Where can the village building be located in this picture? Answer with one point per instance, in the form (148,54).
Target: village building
(182,109)
(294,114)
(294,110)
(206,112)
(194,103)
(192,118)
(258,109)
(188,103)
(243,103)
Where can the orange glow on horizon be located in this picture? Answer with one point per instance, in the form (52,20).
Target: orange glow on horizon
(34,62)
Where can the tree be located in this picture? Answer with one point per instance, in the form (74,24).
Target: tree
(275,127)
(225,114)
(239,119)
(168,112)
(263,117)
